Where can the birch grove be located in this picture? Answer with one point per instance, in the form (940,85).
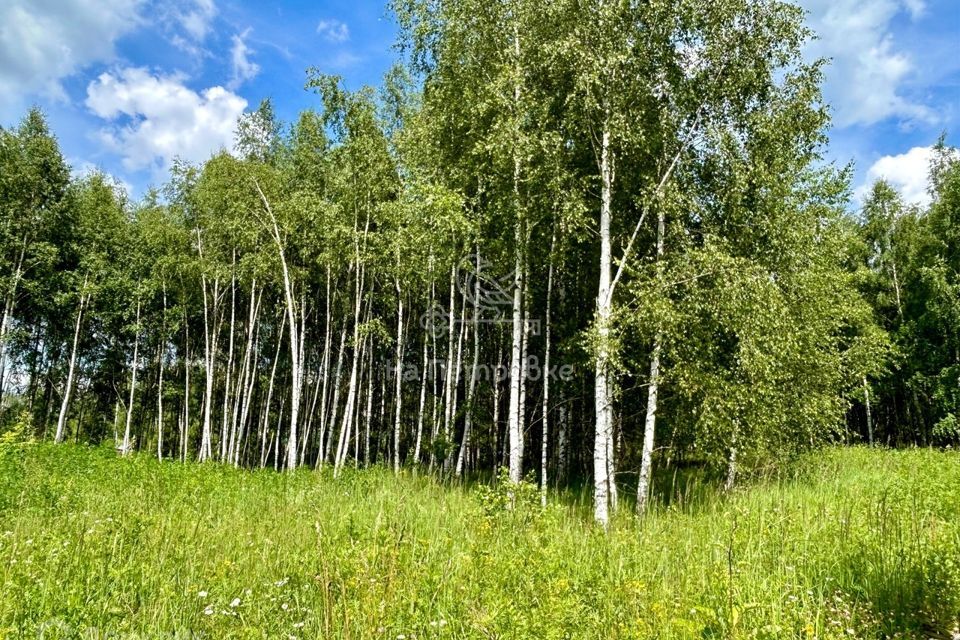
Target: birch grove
(586,242)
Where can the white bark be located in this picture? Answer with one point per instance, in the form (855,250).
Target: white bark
(562,438)
(225,417)
(185,426)
(468,418)
(326,427)
(517,369)
(160,363)
(8,309)
(448,391)
(367,414)
(496,410)
(352,385)
(455,387)
(646,456)
(398,393)
(209,354)
(127,447)
(65,404)
(265,427)
(249,374)
(420,411)
(546,382)
(602,391)
(295,346)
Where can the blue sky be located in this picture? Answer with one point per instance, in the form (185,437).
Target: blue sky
(130,84)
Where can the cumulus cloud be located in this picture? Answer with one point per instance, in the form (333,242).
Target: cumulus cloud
(187,23)
(866,78)
(333,30)
(82,169)
(907,172)
(196,18)
(155,118)
(43,42)
(243,68)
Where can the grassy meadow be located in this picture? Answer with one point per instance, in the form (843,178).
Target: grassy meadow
(852,543)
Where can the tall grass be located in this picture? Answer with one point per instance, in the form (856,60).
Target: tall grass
(854,543)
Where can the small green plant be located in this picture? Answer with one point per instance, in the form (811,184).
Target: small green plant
(505,495)
(20,431)
(947,431)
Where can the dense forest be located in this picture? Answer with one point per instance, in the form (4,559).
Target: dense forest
(576,240)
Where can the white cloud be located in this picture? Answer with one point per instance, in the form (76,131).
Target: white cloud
(157,118)
(243,68)
(197,17)
(187,23)
(867,74)
(908,173)
(334,30)
(42,42)
(81,169)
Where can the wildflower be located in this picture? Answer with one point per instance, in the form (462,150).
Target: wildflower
(298,625)
(280,583)
(284,606)
(203,594)
(235,603)
(208,611)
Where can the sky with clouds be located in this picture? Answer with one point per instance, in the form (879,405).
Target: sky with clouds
(129,85)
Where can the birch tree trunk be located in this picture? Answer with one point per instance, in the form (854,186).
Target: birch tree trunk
(295,348)
(209,356)
(352,386)
(397,395)
(163,349)
(65,404)
(866,404)
(326,429)
(496,410)
(325,366)
(420,410)
(127,445)
(367,414)
(9,305)
(185,427)
(646,455)
(517,369)
(225,417)
(249,372)
(455,388)
(448,391)
(546,381)
(602,391)
(562,420)
(468,418)
(266,407)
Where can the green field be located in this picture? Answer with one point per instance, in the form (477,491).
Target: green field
(854,543)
